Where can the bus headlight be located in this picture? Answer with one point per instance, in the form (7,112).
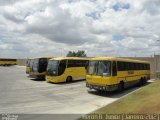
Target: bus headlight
(54,72)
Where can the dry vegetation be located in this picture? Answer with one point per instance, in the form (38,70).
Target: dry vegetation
(145,100)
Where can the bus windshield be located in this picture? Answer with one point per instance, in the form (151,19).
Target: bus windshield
(100,68)
(31,63)
(52,68)
(35,65)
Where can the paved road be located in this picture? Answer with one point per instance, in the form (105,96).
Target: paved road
(19,94)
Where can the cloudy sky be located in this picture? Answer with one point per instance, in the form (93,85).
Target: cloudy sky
(100,27)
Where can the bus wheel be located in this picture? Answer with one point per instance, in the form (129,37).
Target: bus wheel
(141,82)
(144,80)
(69,79)
(121,86)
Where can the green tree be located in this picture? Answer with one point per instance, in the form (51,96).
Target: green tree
(80,53)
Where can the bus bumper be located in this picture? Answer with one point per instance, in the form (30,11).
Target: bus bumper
(36,76)
(103,88)
(53,79)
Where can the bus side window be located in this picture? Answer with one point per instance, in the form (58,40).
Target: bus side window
(114,69)
(71,63)
(42,65)
(148,66)
(86,64)
(62,67)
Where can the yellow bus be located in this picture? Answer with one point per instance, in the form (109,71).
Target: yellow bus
(38,67)
(7,62)
(66,69)
(110,74)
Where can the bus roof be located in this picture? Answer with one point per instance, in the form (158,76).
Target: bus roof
(119,59)
(39,58)
(70,58)
(7,59)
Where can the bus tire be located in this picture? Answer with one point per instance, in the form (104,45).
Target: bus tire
(144,80)
(121,86)
(69,79)
(141,82)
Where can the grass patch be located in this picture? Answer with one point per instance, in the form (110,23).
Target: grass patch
(143,101)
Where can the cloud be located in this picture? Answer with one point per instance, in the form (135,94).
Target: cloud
(102,28)
(7,2)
